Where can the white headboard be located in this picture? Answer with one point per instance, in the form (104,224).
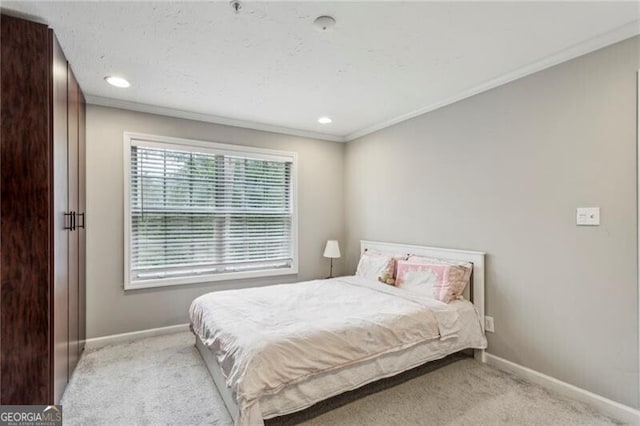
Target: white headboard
(475,294)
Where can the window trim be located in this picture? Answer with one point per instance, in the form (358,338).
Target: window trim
(133,139)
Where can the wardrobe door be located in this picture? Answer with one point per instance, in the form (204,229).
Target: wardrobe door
(73,103)
(82,235)
(61,221)
(25,358)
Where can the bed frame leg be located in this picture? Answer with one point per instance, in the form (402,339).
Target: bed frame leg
(480,356)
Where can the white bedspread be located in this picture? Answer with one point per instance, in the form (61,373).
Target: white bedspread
(268,337)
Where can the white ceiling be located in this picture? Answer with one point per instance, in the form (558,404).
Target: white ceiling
(268,67)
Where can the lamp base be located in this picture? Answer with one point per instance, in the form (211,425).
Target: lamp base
(330,270)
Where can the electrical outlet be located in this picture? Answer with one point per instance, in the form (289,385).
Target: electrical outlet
(488,324)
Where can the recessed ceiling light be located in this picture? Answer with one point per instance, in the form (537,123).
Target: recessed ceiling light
(117,82)
(324,23)
(324,120)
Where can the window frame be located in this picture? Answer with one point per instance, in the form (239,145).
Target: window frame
(164,142)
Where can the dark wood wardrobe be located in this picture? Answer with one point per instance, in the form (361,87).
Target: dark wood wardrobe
(42,215)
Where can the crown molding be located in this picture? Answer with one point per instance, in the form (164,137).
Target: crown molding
(208,118)
(623,32)
(598,42)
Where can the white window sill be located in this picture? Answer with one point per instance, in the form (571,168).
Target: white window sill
(225,276)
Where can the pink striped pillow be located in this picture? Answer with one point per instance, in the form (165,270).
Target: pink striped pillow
(445,280)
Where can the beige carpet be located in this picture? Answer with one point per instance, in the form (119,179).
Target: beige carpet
(162,380)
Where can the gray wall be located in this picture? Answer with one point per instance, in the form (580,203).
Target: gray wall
(503,172)
(110,309)
(500,172)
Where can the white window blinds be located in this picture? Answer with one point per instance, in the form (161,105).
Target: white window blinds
(199,213)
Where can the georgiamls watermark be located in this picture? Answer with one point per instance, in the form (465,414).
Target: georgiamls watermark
(30,415)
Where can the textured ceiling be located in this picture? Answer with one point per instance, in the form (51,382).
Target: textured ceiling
(383,61)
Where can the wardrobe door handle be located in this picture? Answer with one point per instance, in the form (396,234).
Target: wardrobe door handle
(81,226)
(70,226)
(73,221)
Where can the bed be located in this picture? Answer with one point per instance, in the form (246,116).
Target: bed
(327,337)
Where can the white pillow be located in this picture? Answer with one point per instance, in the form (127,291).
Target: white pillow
(420,282)
(372,266)
(445,279)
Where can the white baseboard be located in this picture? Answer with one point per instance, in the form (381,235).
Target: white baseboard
(98,342)
(604,405)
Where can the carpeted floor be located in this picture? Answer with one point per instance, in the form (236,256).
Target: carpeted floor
(162,380)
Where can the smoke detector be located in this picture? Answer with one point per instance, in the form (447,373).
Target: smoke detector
(324,23)
(236,5)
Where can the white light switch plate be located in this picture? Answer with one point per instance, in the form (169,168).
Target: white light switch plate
(588,216)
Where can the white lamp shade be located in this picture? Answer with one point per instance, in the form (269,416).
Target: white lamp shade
(332,249)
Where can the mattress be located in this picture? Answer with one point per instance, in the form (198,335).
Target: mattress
(320,387)
(283,348)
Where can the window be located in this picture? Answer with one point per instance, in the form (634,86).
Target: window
(199,212)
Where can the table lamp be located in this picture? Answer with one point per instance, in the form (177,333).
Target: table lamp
(332,251)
